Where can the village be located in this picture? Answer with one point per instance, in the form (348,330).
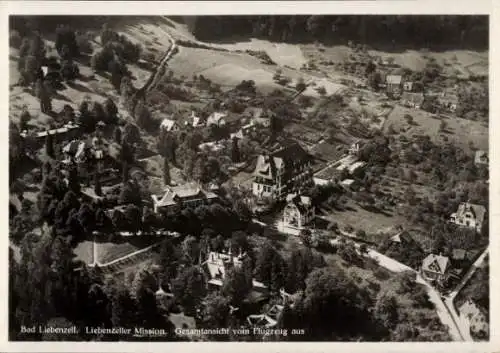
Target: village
(234,205)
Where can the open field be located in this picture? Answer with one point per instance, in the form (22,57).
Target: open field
(460,131)
(359,218)
(452,61)
(225,68)
(109,251)
(282,54)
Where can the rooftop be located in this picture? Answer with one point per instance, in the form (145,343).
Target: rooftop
(478,211)
(435,263)
(394,79)
(188,190)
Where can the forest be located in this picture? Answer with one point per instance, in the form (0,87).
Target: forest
(402,30)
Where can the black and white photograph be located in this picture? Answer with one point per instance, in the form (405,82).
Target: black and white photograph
(248,178)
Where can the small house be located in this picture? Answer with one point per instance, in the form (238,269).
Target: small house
(469,215)
(195,121)
(355,147)
(216,118)
(412,100)
(408,86)
(435,268)
(481,158)
(298,212)
(169,125)
(349,184)
(476,317)
(448,101)
(394,83)
(218,264)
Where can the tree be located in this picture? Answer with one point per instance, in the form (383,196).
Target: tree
(330,292)
(166,171)
(235,151)
(118,135)
(306,237)
(348,253)
(386,310)
(191,249)
(65,43)
(370,68)
(44,96)
(189,289)
(111,111)
(443,126)
(123,308)
(270,267)
(374,80)
(216,311)
(118,70)
(169,261)
(125,170)
(300,86)
(143,116)
(300,263)
(236,286)
(97,184)
(404,332)
(15,39)
(133,219)
(321,90)
(73,180)
(131,134)
(406,281)
(70,70)
(143,280)
(49,145)
(409,119)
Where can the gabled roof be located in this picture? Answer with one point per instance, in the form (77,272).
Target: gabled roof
(261,320)
(481,157)
(435,263)
(188,190)
(168,124)
(402,237)
(477,210)
(280,158)
(303,203)
(216,118)
(394,79)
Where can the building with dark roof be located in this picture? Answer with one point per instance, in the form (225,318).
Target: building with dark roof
(178,197)
(283,171)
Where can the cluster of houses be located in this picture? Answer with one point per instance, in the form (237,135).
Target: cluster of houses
(436,268)
(404,90)
(258,118)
